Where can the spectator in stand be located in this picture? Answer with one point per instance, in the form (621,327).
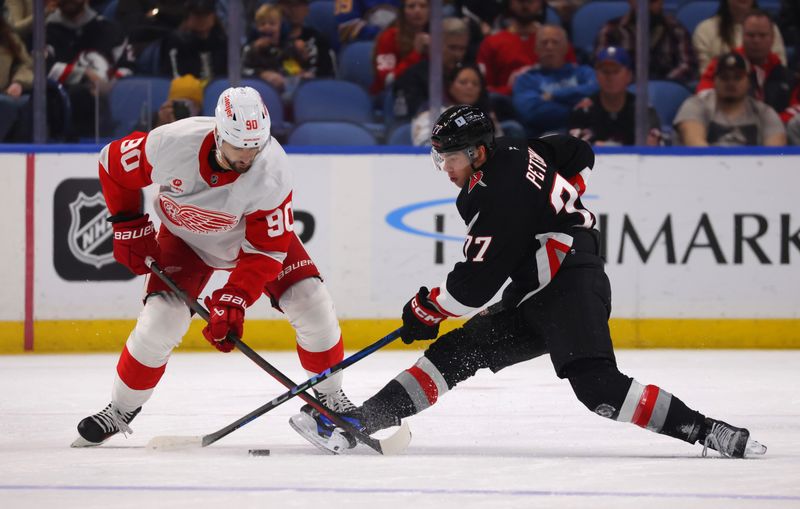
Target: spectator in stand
(185,100)
(507,53)
(727,115)
(481,17)
(544,96)
(671,53)
(402,45)
(16,79)
(198,46)
(363,20)
(789,25)
(464,85)
(722,32)
(609,117)
(770,81)
(264,56)
(410,90)
(19,14)
(82,53)
(148,21)
(312,49)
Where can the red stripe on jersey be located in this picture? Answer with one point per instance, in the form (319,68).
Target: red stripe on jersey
(433,296)
(552,246)
(426,383)
(641,416)
(578,183)
(317,362)
(62,78)
(136,375)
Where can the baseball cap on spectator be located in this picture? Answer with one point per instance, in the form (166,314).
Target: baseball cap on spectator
(186,87)
(613,54)
(731,61)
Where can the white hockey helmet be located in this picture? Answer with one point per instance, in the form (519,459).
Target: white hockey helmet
(241,118)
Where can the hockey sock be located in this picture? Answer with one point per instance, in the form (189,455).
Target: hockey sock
(411,392)
(607,392)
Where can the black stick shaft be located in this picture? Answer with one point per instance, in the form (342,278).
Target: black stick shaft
(294,391)
(266,366)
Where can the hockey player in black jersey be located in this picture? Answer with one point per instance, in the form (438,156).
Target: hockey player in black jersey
(521,202)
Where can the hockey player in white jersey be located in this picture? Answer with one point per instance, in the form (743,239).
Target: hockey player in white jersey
(225,203)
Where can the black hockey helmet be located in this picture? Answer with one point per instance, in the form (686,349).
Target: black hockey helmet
(461,127)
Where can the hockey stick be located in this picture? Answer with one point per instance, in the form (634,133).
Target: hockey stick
(391,445)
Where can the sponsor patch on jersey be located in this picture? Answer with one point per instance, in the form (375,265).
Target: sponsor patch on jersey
(476,179)
(196,219)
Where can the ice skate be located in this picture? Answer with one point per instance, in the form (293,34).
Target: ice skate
(96,429)
(730,441)
(319,430)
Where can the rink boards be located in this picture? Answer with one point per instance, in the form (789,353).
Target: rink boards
(703,249)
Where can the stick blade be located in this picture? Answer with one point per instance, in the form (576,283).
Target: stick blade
(398,442)
(174,443)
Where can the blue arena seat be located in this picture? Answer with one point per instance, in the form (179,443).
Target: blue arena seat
(691,14)
(400,135)
(551,17)
(271,98)
(322,18)
(327,99)
(355,63)
(331,133)
(134,100)
(589,19)
(666,97)
(149,59)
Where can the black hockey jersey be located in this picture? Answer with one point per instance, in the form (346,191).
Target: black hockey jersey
(520,209)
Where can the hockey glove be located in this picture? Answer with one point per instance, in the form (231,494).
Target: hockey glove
(420,318)
(226,314)
(134,241)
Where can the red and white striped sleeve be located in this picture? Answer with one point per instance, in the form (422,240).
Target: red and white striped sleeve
(268,234)
(123,170)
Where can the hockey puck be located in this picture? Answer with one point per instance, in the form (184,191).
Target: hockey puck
(258,452)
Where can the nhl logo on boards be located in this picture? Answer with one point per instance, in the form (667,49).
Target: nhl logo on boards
(82,236)
(88,230)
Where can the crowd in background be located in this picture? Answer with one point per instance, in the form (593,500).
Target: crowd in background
(516,59)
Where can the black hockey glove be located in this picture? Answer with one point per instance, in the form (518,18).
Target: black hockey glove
(420,318)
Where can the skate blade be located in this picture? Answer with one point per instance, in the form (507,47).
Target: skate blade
(306,427)
(754,448)
(82,442)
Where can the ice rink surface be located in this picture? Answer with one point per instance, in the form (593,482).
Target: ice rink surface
(517,439)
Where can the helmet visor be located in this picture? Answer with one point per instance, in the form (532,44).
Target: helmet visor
(456,159)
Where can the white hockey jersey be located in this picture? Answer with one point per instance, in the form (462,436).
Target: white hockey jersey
(232,221)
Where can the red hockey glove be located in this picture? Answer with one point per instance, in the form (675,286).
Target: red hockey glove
(134,241)
(420,318)
(226,314)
